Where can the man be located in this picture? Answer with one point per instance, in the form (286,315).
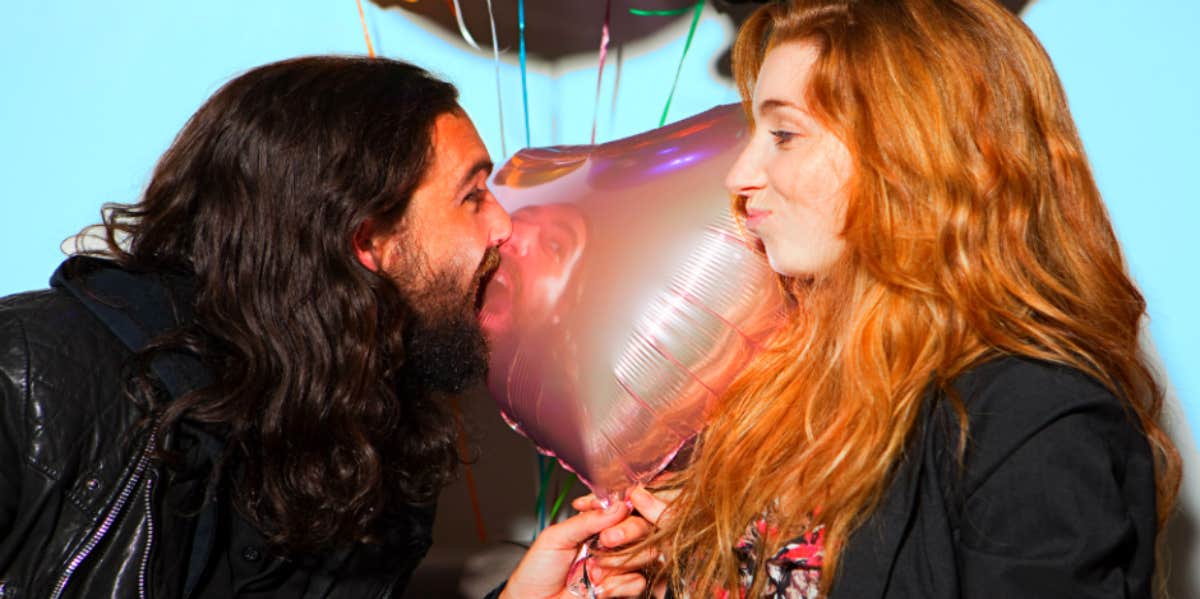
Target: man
(242,395)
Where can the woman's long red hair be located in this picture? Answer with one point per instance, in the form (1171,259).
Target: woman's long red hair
(974,229)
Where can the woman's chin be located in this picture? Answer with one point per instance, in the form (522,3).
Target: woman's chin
(784,264)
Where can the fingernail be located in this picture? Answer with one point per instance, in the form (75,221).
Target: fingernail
(612,508)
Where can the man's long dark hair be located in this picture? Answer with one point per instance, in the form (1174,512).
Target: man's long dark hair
(258,199)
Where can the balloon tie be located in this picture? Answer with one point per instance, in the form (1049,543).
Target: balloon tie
(362,17)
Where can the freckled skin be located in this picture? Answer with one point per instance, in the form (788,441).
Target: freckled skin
(793,172)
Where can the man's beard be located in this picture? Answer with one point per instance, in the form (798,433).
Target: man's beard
(444,346)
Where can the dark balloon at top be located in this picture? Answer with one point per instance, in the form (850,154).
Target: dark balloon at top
(558,28)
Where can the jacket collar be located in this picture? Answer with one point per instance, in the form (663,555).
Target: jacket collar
(137,307)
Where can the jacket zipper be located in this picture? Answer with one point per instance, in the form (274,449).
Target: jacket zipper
(143,593)
(99,534)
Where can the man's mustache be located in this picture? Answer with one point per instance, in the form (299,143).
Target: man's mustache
(483,274)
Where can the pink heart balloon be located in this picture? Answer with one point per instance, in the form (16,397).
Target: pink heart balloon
(627,298)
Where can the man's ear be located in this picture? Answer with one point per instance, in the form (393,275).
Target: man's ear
(364,245)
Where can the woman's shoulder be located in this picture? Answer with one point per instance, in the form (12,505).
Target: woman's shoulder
(1020,388)
(1020,408)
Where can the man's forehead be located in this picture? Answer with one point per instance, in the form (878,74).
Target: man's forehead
(457,149)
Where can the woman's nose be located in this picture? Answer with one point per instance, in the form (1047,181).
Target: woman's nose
(747,174)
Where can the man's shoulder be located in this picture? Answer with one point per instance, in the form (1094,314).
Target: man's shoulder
(49,322)
(60,374)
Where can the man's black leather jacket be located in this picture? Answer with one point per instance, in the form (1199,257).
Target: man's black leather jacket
(84,511)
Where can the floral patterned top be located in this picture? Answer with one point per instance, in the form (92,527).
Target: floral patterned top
(794,571)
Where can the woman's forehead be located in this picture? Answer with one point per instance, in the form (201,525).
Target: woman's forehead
(784,75)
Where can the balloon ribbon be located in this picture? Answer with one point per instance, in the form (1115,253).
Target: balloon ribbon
(362,17)
(499,97)
(462,26)
(545,469)
(696,10)
(600,72)
(561,497)
(480,529)
(524,82)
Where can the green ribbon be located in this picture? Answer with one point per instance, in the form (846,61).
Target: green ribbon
(696,10)
(670,12)
(561,496)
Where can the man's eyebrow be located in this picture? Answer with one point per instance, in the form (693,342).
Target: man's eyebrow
(483,164)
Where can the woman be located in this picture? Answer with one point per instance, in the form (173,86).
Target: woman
(958,407)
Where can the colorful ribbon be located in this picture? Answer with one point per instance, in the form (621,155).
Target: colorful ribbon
(524,82)
(696,10)
(480,528)
(362,17)
(600,72)
(462,26)
(545,469)
(499,96)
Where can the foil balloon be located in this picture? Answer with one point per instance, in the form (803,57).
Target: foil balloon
(627,298)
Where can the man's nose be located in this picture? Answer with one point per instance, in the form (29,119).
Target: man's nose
(501,227)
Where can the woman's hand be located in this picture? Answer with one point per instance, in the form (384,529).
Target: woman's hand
(628,531)
(542,573)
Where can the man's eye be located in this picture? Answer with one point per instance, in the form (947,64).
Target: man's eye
(782,137)
(475,197)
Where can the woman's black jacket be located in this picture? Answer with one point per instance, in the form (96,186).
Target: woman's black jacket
(1055,498)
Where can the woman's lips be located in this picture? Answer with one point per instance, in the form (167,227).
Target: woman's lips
(754,218)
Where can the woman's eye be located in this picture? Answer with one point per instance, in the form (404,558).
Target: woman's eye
(782,137)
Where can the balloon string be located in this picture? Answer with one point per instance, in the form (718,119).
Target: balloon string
(462,26)
(686,45)
(499,97)
(524,82)
(600,71)
(670,12)
(545,469)
(362,17)
(545,485)
(472,491)
(561,497)
(696,10)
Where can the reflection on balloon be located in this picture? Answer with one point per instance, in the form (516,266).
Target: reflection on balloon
(627,298)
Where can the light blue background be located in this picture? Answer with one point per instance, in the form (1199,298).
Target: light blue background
(91,93)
